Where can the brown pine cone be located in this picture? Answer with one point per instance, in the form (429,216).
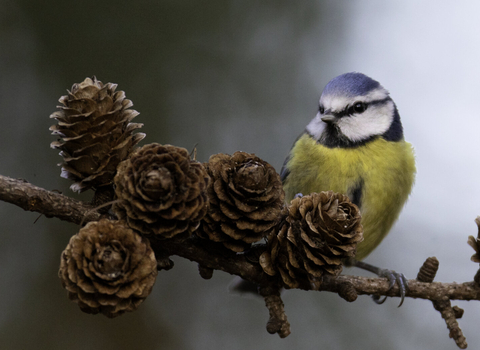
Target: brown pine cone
(475,243)
(319,231)
(162,191)
(108,268)
(246,199)
(96,133)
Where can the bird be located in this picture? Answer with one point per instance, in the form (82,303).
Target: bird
(355,145)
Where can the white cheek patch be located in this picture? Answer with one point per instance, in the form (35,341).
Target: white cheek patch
(376,120)
(316,127)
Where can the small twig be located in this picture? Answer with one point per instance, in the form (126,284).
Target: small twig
(278,322)
(347,291)
(450,314)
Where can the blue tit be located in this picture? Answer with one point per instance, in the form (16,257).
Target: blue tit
(355,146)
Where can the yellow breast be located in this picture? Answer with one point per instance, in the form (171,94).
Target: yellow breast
(384,171)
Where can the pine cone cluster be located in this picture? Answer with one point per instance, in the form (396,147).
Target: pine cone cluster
(318,232)
(246,198)
(108,268)
(96,133)
(161,191)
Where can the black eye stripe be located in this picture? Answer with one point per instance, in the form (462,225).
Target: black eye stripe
(349,109)
(379,102)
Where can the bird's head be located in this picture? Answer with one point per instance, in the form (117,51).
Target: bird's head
(354,109)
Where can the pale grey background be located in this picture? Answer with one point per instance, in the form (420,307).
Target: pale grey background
(241,75)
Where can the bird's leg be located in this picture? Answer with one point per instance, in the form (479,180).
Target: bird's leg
(392,276)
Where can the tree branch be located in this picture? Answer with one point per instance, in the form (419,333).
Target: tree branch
(210,255)
(32,198)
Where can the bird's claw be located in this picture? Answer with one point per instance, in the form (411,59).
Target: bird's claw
(378,300)
(393,278)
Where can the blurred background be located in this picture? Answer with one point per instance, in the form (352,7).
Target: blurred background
(241,75)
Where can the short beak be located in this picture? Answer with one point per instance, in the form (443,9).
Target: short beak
(328,118)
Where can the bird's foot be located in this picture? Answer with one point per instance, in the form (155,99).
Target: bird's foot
(298,195)
(392,276)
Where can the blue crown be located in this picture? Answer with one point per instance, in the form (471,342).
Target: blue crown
(350,84)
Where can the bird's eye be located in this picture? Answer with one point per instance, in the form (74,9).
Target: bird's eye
(359,107)
(321,109)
